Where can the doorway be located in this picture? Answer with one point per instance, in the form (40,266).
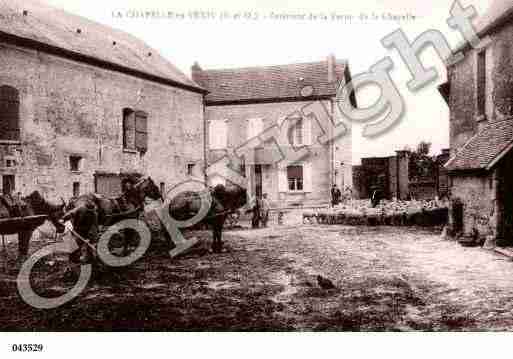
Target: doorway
(506,194)
(258,181)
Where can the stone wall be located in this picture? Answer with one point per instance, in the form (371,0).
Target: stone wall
(477,190)
(394,176)
(73,109)
(477,193)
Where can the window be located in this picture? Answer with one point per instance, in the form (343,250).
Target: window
(135,130)
(295,178)
(76,189)
(190,169)
(141,131)
(9,114)
(481,83)
(74,163)
(242,169)
(217,135)
(298,132)
(162,188)
(9,163)
(8,184)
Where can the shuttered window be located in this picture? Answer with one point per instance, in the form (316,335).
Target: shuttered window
(481,82)
(135,130)
(300,132)
(128,129)
(9,114)
(297,138)
(141,131)
(295,178)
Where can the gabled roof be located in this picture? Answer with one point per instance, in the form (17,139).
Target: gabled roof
(485,149)
(270,83)
(498,12)
(34,24)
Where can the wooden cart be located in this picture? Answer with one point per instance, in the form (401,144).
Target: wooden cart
(15,226)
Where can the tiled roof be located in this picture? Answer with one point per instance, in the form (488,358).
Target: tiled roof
(498,11)
(269,82)
(35,21)
(484,149)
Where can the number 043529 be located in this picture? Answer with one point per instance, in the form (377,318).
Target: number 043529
(27,347)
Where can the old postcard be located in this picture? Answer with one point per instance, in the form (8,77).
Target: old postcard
(272,166)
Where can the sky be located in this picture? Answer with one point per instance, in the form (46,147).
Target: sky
(263,41)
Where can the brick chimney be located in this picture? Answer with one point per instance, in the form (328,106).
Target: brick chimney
(196,72)
(332,74)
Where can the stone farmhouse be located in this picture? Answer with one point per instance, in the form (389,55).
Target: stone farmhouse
(480,97)
(82,105)
(243,102)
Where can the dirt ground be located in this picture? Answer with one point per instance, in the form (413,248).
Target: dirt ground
(387,279)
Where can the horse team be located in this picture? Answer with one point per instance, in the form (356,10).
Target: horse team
(91,212)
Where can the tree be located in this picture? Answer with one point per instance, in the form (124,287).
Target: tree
(421,164)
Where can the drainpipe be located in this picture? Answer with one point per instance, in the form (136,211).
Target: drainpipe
(205,133)
(397,178)
(497,203)
(332,147)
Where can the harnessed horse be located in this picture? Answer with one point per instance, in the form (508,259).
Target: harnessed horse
(90,211)
(33,204)
(224,201)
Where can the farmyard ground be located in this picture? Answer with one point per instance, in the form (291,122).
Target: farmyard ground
(386,279)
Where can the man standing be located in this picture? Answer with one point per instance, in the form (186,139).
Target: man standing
(254,207)
(264,210)
(335,195)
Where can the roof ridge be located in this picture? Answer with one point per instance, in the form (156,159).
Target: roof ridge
(256,67)
(47,25)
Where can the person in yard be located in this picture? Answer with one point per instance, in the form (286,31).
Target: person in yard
(335,195)
(254,207)
(264,210)
(377,196)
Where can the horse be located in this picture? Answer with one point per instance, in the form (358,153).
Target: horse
(90,211)
(225,201)
(31,205)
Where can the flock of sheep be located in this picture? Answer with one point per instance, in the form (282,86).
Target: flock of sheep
(394,212)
